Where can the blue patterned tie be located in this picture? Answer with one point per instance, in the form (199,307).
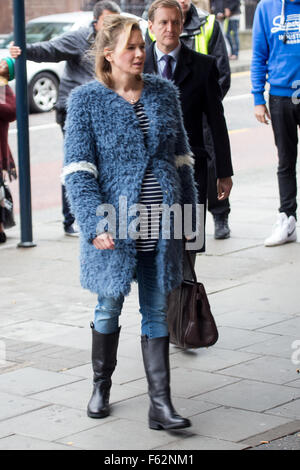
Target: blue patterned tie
(167,71)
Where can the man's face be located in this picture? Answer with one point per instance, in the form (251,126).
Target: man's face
(4,72)
(185,5)
(167,27)
(99,23)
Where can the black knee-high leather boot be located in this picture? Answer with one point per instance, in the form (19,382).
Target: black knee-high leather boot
(162,414)
(104,360)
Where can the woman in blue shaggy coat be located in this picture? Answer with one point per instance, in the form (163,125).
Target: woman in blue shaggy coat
(126,145)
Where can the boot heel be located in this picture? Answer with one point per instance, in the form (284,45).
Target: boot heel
(100,415)
(104,359)
(155,425)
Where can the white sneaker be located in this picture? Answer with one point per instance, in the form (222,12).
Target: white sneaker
(292,231)
(284,231)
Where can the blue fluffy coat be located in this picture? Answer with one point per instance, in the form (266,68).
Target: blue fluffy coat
(103,134)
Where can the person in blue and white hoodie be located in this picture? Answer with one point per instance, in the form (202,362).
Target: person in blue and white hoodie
(276,59)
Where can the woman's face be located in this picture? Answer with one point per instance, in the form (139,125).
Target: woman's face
(128,59)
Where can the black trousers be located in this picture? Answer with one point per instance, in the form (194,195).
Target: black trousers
(285,115)
(69,219)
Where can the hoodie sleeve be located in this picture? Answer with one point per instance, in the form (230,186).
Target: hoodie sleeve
(260,57)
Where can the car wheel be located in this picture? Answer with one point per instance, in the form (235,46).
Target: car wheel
(43,92)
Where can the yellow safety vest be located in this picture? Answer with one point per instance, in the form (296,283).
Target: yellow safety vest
(201,39)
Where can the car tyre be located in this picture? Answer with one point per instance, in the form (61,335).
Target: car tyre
(43,92)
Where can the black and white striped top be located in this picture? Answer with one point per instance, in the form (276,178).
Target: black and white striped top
(151,196)
(142,117)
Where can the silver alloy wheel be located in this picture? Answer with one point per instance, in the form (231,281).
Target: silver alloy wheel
(44,92)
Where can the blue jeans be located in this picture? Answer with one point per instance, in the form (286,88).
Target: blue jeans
(152,302)
(232,35)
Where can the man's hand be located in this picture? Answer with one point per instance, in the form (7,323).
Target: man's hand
(220,16)
(104,241)
(227,12)
(224,186)
(262,113)
(14,51)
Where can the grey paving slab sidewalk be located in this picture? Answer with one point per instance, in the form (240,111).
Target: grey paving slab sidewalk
(240,393)
(243,63)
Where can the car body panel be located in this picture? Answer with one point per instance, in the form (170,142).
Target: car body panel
(74,20)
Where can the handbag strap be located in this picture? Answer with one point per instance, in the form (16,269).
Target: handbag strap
(188,256)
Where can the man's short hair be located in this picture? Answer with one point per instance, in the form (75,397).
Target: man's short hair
(163,4)
(105,5)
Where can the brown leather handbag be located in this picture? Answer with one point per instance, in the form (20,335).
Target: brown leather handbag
(190,321)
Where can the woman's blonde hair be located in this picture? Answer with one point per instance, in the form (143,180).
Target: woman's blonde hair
(107,38)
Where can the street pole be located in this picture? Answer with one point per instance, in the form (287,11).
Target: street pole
(23,127)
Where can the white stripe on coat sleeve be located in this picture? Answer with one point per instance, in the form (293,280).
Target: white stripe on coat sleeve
(78,166)
(186,159)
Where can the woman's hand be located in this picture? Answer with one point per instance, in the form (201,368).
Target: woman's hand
(104,241)
(14,51)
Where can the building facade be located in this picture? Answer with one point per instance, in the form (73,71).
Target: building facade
(35,8)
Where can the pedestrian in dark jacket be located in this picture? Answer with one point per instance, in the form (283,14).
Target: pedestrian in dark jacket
(7,115)
(71,47)
(126,147)
(217,8)
(232,11)
(234,7)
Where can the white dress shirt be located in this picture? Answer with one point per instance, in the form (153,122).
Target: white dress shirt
(161,62)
